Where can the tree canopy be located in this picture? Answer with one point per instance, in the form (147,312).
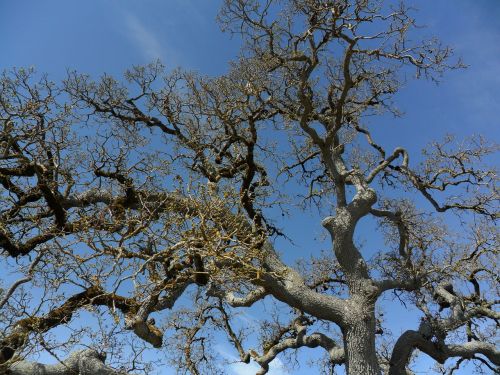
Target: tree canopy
(147,211)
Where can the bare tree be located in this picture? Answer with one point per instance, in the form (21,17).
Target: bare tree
(120,199)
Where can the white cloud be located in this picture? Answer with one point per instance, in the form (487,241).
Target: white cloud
(148,43)
(248,320)
(244,369)
(276,367)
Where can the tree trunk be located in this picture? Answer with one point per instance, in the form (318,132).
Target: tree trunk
(359,345)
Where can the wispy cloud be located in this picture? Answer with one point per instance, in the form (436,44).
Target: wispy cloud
(146,40)
(248,320)
(276,367)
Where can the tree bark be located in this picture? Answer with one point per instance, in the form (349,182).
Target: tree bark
(84,362)
(359,347)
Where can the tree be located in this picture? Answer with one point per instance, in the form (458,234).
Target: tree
(120,199)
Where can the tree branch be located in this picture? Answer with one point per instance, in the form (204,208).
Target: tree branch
(84,362)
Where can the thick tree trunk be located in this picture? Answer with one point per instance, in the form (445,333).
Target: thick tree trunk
(359,345)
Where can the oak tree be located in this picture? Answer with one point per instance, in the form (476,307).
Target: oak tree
(154,205)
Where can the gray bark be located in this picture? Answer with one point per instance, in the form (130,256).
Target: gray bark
(359,344)
(440,352)
(84,362)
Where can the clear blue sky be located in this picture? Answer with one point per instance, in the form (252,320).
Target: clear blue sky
(97,36)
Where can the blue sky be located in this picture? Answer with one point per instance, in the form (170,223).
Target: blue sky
(110,35)
(97,36)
